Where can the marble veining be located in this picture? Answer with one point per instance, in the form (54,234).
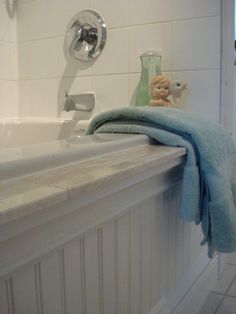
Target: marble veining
(23,196)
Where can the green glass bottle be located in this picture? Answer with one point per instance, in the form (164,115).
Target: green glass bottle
(151,66)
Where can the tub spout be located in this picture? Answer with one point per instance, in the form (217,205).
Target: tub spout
(79,102)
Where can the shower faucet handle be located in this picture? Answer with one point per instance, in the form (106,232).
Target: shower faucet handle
(80,102)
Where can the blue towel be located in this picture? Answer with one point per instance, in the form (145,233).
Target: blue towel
(209,177)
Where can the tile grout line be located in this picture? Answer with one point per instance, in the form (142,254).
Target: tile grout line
(230,296)
(106,74)
(174,20)
(219,305)
(230,285)
(217,293)
(226,290)
(224,295)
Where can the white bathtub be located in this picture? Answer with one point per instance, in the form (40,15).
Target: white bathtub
(27,131)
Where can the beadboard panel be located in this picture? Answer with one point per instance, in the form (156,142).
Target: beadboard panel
(25,300)
(91,272)
(123,264)
(73,277)
(109,267)
(51,284)
(128,264)
(3,297)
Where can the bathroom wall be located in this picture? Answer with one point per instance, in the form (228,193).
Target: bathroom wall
(8,60)
(186,31)
(234,107)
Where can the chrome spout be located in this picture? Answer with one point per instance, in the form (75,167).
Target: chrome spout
(79,102)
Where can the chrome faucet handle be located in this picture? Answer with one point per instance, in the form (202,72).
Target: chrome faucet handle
(86,35)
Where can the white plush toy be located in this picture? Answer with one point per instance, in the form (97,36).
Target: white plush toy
(176,89)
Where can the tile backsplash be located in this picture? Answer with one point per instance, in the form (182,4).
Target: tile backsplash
(8,60)
(186,31)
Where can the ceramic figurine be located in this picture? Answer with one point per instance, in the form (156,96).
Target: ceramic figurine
(159,91)
(176,89)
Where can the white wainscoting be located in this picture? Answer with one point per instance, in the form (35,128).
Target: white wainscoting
(142,259)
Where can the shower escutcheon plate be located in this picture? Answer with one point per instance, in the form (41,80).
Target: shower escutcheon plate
(86,35)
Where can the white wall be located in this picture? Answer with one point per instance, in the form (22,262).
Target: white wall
(8,60)
(187,32)
(234,107)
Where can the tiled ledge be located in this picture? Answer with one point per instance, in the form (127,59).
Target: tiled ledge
(24,196)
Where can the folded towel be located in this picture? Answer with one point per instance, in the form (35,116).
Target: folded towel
(209,177)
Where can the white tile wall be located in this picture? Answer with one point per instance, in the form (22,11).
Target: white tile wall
(4,61)
(4,23)
(36,98)
(9,93)
(196,44)
(13,51)
(185,9)
(23,1)
(8,60)
(65,11)
(107,89)
(8,57)
(149,11)
(114,58)
(186,31)
(37,19)
(115,12)
(133,84)
(7,22)
(38,59)
(154,36)
(203,93)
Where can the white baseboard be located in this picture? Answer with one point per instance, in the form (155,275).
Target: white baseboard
(197,293)
(160,308)
(193,291)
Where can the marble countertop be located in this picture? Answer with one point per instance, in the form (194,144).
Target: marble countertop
(26,195)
